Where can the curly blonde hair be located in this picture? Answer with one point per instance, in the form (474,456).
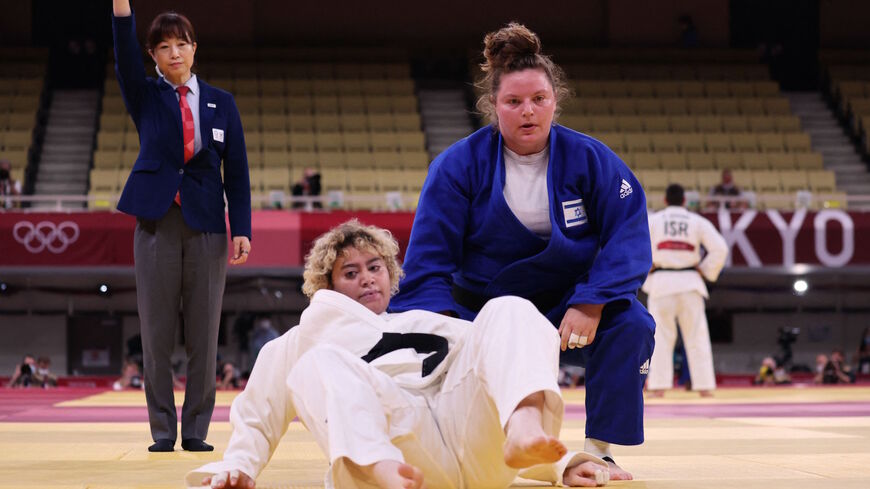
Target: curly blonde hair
(320,261)
(512,48)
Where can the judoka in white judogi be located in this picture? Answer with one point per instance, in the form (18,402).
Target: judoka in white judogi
(676,290)
(446,417)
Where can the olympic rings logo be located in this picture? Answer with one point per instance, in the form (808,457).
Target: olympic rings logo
(56,238)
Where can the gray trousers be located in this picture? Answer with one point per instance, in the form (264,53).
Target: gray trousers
(177,267)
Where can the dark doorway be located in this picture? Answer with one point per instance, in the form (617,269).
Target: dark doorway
(786,35)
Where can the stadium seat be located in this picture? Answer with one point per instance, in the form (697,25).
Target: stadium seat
(766,181)
(809,161)
(821,181)
(356,141)
(709,123)
(304,141)
(716,143)
(751,106)
(798,142)
(273,158)
(331,159)
(762,124)
(793,180)
(625,123)
(744,142)
(645,161)
(781,161)
(682,123)
(734,123)
(700,161)
(686,178)
(728,160)
(707,179)
(653,180)
(755,161)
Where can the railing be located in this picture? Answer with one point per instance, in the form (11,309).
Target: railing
(398,201)
(388,201)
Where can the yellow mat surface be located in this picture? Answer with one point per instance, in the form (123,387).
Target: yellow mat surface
(758,452)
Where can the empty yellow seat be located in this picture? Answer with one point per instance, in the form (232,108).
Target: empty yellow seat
(798,142)
(822,181)
(793,180)
(686,178)
(809,161)
(653,180)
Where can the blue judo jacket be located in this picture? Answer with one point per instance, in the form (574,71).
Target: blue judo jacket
(159,171)
(464,233)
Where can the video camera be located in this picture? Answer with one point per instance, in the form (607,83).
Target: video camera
(786,337)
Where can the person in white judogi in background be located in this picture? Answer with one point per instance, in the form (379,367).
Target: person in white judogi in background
(407,400)
(676,291)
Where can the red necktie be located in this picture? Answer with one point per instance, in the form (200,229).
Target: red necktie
(187,128)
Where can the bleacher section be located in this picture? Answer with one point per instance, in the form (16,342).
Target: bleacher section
(846,77)
(358,124)
(21,84)
(671,115)
(686,119)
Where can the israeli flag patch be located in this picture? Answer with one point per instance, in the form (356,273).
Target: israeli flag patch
(574,212)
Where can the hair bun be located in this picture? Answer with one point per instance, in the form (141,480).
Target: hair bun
(503,47)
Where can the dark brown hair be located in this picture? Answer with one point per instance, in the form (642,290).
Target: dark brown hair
(168,25)
(515,48)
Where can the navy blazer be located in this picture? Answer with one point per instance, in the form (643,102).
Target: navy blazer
(160,171)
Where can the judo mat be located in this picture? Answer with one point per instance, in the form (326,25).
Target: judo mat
(746,438)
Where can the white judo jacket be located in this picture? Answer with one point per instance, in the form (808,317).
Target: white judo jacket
(677,236)
(260,415)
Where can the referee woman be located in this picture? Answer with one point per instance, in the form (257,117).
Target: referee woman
(186,130)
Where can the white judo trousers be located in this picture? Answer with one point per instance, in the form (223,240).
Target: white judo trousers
(687,308)
(449,423)
(455,433)
(676,293)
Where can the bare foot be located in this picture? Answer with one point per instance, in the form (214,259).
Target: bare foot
(706,393)
(392,474)
(521,452)
(526,442)
(655,393)
(617,474)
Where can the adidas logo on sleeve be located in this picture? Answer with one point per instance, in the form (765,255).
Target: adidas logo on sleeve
(644,369)
(625,189)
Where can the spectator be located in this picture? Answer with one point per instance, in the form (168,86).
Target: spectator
(308,186)
(8,185)
(23,375)
(262,333)
(771,373)
(131,376)
(837,371)
(863,358)
(229,376)
(688,31)
(765,373)
(727,188)
(43,376)
(821,363)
